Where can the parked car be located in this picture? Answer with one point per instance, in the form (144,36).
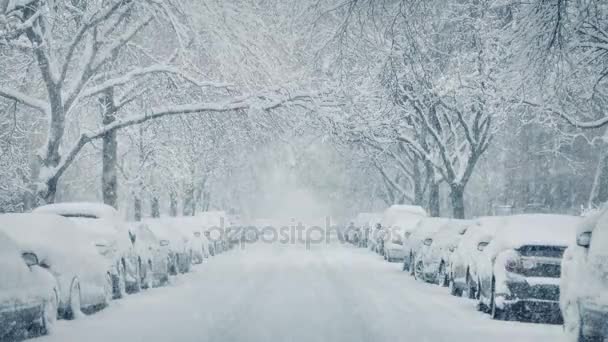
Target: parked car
(110,234)
(216,223)
(82,276)
(154,256)
(175,241)
(437,248)
(520,268)
(414,241)
(399,220)
(584,281)
(366,222)
(191,227)
(463,278)
(393,246)
(28,293)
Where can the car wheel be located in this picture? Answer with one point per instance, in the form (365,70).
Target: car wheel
(49,314)
(74,305)
(454,290)
(136,287)
(495,312)
(148,280)
(411,267)
(469,288)
(442,277)
(122,282)
(108,289)
(418,271)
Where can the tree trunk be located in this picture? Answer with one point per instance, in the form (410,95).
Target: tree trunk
(599,191)
(418,188)
(172,204)
(189,202)
(434,210)
(155,207)
(137,208)
(109,180)
(457,197)
(433,204)
(206,201)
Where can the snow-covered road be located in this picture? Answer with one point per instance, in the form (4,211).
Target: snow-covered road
(286,293)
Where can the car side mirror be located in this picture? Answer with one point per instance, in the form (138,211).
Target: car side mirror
(584,239)
(30,259)
(428,242)
(481,246)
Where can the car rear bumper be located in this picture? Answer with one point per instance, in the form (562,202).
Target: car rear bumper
(594,319)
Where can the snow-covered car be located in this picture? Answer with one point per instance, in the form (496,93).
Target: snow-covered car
(192,228)
(584,281)
(217,224)
(28,293)
(399,220)
(366,222)
(520,269)
(110,235)
(174,241)
(393,245)
(414,240)
(463,279)
(154,257)
(82,275)
(437,248)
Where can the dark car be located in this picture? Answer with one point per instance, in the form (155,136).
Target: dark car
(520,268)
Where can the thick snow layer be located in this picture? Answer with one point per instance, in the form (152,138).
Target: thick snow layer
(167,229)
(210,219)
(424,229)
(398,214)
(446,240)
(94,210)
(534,229)
(64,248)
(288,293)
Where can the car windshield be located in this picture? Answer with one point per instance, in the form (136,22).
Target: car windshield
(304,170)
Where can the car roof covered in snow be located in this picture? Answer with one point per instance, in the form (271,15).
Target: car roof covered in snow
(451,231)
(166,228)
(84,209)
(429,226)
(209,219)
(534,229)
(57,241)
(402,217)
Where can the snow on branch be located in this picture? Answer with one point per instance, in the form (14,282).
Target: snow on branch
(25,99)
(263,102)
(570,120)
(154,69)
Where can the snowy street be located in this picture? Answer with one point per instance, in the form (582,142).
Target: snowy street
(276,292)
